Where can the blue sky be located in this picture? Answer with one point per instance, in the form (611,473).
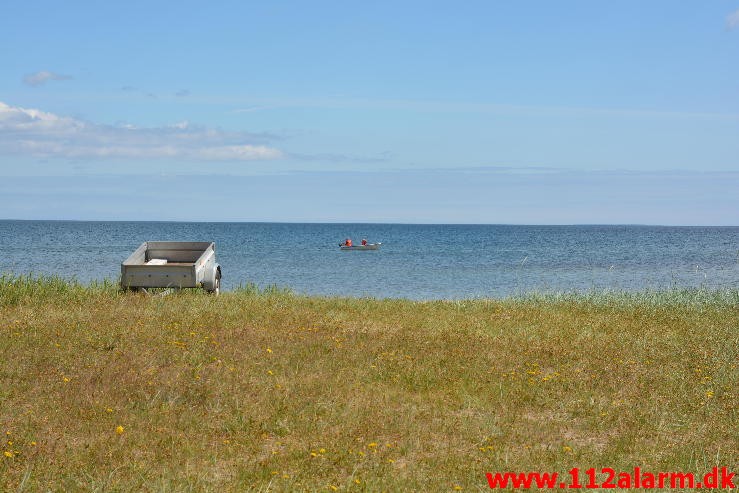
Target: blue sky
(487,112)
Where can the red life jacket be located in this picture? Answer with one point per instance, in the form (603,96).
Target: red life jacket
(348,242)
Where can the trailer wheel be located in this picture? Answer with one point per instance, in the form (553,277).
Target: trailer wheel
(217,284)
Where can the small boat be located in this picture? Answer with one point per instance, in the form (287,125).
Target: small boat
(369,246)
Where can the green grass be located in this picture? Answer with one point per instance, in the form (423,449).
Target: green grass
(264,390)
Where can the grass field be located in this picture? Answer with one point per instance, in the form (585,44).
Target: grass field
(270,391)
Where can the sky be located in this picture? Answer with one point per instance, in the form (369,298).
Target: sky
(527,112)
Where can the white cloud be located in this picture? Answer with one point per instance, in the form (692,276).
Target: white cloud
(732,20)
(37,133)
(139,91)
(41,78)
(252,109)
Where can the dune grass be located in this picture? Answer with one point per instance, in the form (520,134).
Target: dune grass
(270,391)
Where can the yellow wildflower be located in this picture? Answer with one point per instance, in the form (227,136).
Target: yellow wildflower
(269,350)
(119,429)
(357,481)
(323,450)
(8,454)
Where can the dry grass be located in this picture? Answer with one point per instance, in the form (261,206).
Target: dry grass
(270,391)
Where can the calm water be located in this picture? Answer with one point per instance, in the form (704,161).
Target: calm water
(416,261)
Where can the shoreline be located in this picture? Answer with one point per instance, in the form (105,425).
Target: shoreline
(673,294)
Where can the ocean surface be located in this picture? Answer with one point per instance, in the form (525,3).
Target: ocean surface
(415,261)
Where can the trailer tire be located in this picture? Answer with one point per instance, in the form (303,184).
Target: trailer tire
(217,289)
(216,282)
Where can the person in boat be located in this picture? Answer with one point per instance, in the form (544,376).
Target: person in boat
(348,242)
(364,241)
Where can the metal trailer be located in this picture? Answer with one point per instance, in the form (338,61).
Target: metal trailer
(172,264)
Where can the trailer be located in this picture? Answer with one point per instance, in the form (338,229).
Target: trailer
(172,264)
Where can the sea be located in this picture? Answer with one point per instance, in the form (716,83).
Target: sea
(420,262)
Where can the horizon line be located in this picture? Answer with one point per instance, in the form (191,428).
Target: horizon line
(370,223)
